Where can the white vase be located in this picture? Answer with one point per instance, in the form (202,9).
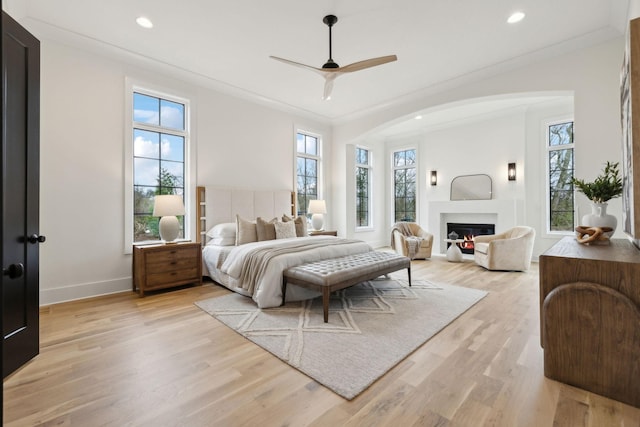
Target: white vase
(600,218)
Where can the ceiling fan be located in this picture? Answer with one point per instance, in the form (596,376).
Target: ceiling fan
(330,70)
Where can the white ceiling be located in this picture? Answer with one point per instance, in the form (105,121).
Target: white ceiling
(228,43)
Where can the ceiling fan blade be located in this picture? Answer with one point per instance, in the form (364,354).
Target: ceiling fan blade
(367,63)
(297,64)
(328,85)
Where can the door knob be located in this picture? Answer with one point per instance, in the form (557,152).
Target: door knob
(34,238)
(13,271)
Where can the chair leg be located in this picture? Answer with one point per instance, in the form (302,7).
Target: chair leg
(409,275)
(284,289)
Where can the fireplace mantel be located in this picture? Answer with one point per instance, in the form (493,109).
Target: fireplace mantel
(503,213)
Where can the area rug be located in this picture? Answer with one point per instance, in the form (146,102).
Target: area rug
(372,326)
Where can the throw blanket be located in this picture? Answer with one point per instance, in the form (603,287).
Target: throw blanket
(413,242)
(257,267)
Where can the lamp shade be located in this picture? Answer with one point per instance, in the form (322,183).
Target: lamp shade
(317,207)
(168,205)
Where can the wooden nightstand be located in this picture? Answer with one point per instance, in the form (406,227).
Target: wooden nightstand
(323,233)
(166,265)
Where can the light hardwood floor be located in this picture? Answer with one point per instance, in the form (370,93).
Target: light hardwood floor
(123,360)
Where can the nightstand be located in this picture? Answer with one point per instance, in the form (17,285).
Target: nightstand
(166,265)
(323,233)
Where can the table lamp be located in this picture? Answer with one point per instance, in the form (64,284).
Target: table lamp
(317,208)
(167,207)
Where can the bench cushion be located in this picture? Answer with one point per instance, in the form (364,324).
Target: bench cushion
(349,268)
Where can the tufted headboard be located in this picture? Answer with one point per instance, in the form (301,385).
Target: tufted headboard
(217,204)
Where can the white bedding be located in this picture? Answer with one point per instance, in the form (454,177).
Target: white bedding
(225,265)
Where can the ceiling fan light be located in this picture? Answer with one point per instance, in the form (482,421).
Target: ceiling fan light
(515,17)
(144,22)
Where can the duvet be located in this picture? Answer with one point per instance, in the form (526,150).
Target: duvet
(255,269)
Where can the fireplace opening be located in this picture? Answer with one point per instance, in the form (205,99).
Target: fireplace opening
(467,232)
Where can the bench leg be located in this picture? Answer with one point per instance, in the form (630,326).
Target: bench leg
(326,294)
(284,289)
(409,275)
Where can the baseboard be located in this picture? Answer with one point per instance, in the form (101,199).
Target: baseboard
(84,290)
(379,245)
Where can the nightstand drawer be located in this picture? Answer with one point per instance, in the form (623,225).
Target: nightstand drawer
(171,264)
(160,279)
(171,255)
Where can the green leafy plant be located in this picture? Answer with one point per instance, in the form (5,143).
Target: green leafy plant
(606,186)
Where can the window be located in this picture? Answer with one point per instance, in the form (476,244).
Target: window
(404,185)
(363,187)
(159,151)
(561,166)
(307,167)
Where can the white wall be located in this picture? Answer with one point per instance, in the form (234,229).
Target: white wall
(238,143)
(634,9)
(591,74)
(478,147)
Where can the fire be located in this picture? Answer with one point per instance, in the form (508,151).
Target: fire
(468,242)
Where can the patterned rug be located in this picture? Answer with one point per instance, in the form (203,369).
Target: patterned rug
(372,326)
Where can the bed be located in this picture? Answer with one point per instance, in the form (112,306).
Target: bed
(252,262)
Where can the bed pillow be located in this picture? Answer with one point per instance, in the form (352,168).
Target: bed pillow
(245,231)
(223,234)
(266,230)
(222,241)
(285,230)
(223,230)
(300,224)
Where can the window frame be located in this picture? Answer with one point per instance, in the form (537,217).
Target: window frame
(319,168)
(547,152)
(369,167)
(134,86)
(394,168)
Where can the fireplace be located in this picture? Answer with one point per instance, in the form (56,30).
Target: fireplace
(467,231)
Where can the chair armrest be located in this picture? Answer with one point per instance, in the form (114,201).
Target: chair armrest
(488,238)
(425,235)
(507,246)
(398,239)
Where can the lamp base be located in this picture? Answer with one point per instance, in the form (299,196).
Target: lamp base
(317,222)
(169,228)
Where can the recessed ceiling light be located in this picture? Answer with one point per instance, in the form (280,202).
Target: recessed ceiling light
(144,22)
(515,17)
(418,117)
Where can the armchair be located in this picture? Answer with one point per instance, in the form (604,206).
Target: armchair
(510,250)
(410,240)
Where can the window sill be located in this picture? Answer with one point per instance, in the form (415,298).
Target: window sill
(364,229)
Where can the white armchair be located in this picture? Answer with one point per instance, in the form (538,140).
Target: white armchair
(402,234)
(509,251)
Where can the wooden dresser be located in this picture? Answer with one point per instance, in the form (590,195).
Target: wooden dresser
(590,317)
(166,265)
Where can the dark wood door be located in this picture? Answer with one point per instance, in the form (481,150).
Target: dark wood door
(20,195)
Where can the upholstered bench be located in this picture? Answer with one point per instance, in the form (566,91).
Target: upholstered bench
(334,274)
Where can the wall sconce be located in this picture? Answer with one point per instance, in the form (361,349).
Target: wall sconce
(511,171)
(434,178)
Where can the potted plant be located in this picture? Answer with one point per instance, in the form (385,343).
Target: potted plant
(606,186)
